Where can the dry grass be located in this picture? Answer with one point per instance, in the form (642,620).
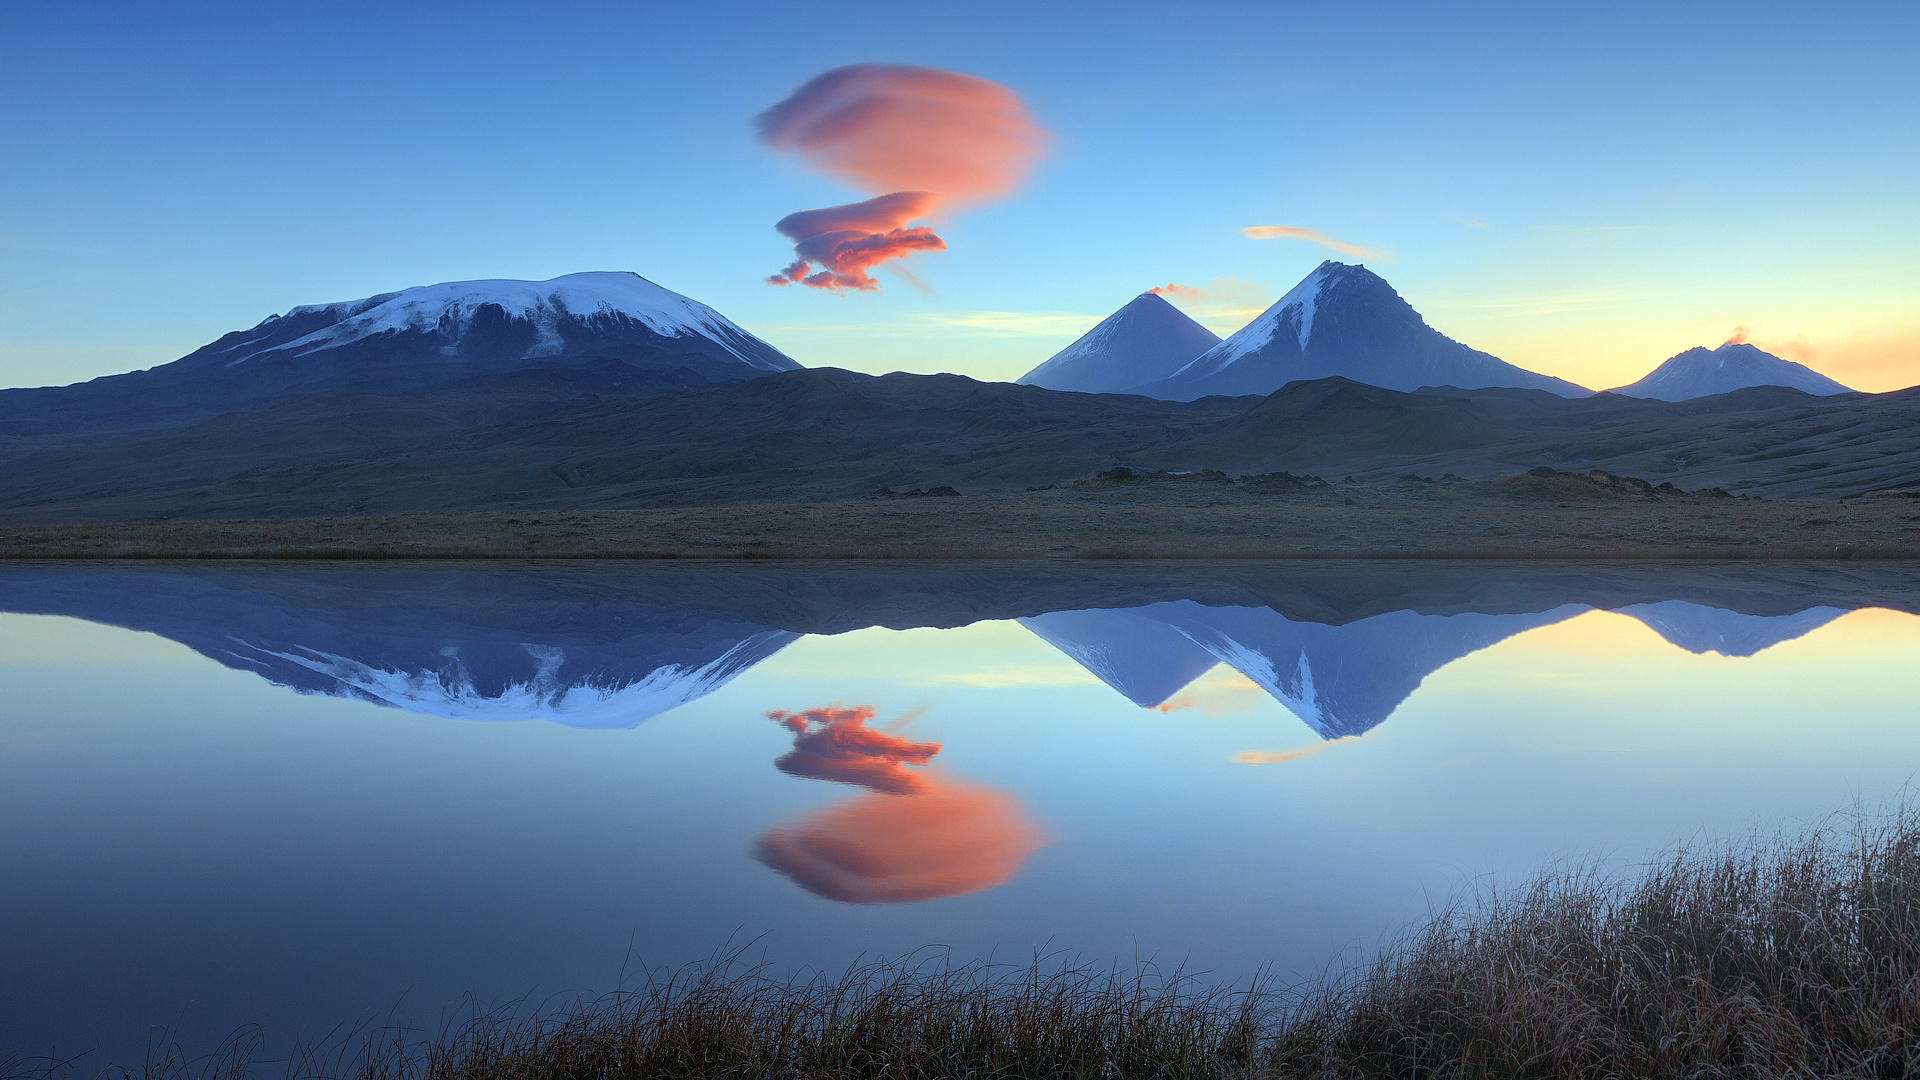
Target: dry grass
(1795,957)
(1191,518)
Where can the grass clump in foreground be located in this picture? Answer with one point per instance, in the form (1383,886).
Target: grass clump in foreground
(1797,956)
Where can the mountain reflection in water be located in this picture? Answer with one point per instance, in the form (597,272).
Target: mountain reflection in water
(1155,760)
(1340,645)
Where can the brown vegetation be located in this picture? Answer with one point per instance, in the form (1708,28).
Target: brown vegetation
(1796,957)
(1202,515)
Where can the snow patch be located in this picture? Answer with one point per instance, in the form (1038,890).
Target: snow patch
(1300,302)
(449,308)
(452,693)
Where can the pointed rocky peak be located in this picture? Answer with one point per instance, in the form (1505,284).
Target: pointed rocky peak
(1145,341)
(1344,320)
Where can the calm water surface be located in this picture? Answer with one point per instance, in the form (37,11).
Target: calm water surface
(302,796)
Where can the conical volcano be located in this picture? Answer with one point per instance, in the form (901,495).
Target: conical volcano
(1347,321)
(1144,342)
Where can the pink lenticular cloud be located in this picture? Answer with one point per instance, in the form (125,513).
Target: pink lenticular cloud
(947,840)
(891,127)
(919,138)
(844,241)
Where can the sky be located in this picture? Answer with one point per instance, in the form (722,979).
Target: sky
(1581,190)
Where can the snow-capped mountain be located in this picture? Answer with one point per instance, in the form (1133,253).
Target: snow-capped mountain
(503,320)
(1699,372)
(1147,340)
(427,337)
(1343,320)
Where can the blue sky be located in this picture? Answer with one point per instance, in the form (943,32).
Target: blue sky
(1583,192)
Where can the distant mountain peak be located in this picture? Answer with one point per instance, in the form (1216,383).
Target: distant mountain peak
(1343,320)
(1146,340)
(1736,365)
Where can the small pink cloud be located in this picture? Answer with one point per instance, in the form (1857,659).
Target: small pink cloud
(834,743)
(837,245)
(947,840)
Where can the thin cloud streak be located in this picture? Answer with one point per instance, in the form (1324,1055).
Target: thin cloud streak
(1017,323)
(1277,757)
(1290,232)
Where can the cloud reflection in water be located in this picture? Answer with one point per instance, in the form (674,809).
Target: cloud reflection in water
(914,836)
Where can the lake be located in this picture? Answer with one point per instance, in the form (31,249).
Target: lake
(308,795)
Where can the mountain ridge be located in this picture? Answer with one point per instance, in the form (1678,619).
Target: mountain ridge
(1146,340)
(1343,320)
(1736,365)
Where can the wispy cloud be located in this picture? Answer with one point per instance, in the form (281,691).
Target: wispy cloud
(1006,677)
(1016,323)
(1470,222)
(1276,757)
(1527,304)
(999,324)
(1595,230)
(1291,232)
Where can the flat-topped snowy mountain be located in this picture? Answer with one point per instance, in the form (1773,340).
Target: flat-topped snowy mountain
(1343,320)
(428,337)
(1699,372)
(1145,341)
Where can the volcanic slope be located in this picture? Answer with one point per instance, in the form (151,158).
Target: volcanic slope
(1734,366)
(640,335)
(1347,321)
(1145,341)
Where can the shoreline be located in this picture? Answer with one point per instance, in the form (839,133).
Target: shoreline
(1187,521)
(1788,953)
